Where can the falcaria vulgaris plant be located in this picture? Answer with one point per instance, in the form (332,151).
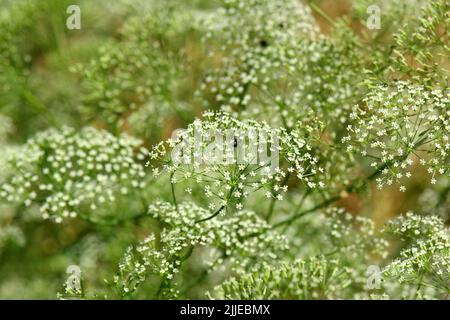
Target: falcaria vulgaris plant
(225,149)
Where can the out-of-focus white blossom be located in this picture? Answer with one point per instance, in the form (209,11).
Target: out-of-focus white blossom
(68,172)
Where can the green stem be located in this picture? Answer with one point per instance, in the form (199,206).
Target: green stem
(34,102)
(211,216)
(352,188)
(172,186)
(301,214)
(316,8)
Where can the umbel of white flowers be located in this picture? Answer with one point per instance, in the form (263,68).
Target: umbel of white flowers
(243,237)
(67,172)
(400,125)
(231,180)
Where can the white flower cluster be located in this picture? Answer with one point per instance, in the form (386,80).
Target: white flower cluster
(338,166)
(256,39)
(354,236)
(314,278)
(243,237)
(144,68)
(281,73)
(235,181)
(425,260)
(324,77)
(68,172)
(400,125)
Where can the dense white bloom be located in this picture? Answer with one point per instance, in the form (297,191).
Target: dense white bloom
(314,278)
(257,40)
(243,237)
(425,261)
(68,172)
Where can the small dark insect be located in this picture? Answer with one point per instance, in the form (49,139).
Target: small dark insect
(235,142)
(263,43)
